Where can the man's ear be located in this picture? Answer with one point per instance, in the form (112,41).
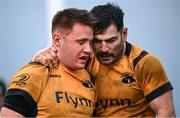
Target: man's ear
(124,33)
(57,39)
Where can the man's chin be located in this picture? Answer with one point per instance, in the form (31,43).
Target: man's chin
(80,66)
(77,67)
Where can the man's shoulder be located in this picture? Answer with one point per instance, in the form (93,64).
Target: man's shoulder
(31,73)
(140,55)
(33,68)
(31,78)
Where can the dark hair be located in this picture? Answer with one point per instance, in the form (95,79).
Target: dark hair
(68,17)
(106,15)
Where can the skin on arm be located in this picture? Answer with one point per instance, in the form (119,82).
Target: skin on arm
(47,57)
(163,105)
(5,112)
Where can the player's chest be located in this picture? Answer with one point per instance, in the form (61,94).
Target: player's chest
(66,96)
(117,82)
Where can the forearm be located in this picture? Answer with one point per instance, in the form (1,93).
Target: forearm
(5,112)
(166,113)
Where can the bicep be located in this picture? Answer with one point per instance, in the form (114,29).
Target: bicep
(5,112)
(163,105)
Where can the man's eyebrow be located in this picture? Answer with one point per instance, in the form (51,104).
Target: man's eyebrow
(107,39)
(83,39)
(112,38)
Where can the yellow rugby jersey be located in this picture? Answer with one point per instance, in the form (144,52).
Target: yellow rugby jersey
(126,88)
(55,93)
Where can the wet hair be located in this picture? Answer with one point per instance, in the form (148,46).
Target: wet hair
(67,18)
(106,15)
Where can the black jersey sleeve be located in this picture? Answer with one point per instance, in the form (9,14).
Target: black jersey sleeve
(20,101)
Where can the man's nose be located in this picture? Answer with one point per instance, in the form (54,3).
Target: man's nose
(88,48)
(104,47)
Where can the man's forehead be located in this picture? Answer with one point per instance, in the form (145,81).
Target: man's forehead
(106,36)
(110,32)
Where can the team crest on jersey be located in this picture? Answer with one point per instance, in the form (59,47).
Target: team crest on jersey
(20,80)
(128,78)
(87,84)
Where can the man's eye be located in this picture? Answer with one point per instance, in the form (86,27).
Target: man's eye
(81,42)
(110,41)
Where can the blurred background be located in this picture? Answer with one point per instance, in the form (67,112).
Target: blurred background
(25,28)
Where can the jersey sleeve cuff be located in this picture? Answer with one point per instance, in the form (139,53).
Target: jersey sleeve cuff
(159,91)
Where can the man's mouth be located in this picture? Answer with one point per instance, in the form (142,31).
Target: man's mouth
(105,58)
(84,58)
